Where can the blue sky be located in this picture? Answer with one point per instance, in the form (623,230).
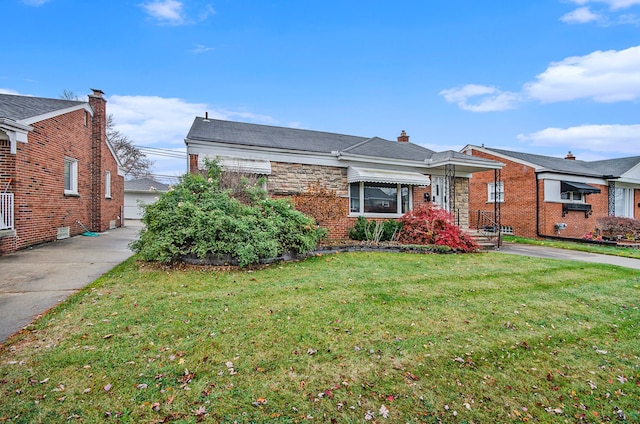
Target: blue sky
(539,76)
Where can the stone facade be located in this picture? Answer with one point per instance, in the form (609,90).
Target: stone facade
(294,178)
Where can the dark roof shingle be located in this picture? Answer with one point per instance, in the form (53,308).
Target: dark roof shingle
(22,107)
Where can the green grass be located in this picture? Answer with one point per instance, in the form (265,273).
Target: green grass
(434,338)
(627,252)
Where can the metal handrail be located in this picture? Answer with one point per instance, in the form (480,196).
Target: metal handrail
(6,211)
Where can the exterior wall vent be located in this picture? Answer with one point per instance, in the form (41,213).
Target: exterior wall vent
(63,233)
(112,224)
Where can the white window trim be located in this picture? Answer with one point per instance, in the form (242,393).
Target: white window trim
(491,192)
(107,184)
(73,176)
(571,197)
(380,215)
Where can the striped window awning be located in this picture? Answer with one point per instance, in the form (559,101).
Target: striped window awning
(242,165)
(355,175)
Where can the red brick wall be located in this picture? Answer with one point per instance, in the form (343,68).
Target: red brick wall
(41,207)
(577,224)
(519,207)
(107,209)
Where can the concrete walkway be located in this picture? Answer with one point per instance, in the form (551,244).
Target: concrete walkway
(572,255)
(34,280)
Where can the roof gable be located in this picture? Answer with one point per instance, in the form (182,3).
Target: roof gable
(145,184)
(28,109)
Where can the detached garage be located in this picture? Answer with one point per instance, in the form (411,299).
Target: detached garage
(142,190)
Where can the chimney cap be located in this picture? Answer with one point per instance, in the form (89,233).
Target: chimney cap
(403,137)
(570,156)
(97,92)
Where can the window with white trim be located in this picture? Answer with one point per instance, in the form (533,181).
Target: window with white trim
(572,197)
(367,198)
(107,184)
(624,202)
(492,193)
(70,176)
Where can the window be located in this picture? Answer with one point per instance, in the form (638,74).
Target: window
(70,176)
(572,196)
(492,194)
(379,198)
(107,185)
(624,202)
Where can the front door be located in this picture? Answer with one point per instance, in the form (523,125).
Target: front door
(440,193)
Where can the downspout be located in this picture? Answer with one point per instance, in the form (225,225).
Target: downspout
(537,208)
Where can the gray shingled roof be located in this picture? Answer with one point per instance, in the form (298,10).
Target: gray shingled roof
(215,130)
(145,184)
(269,136)
(560,165)
(22,107)
(615,167)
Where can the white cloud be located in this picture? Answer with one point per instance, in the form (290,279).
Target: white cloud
(34,2)
(8,91)
(603,76)
(489,99)
(200,48)
(164,122)
(613,4)
(166,11)
(580,15)
(152,121)
(597,138)
(172,12)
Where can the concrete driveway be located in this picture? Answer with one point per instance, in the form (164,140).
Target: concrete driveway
(36,279)
(572,255)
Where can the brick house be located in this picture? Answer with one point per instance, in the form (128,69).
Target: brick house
(57,170)
(544,196)
(373,177)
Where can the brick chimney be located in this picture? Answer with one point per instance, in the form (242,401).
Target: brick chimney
(98,139)
(403,137)
(570,156)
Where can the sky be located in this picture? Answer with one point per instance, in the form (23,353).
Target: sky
(536,76)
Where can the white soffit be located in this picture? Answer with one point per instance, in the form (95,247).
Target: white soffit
(355,175)
(242,165)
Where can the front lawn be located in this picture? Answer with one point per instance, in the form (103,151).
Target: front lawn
(342,338)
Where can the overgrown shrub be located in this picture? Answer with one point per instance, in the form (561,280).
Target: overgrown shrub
(615,228)
(426,225)
(374,231)
(199,218)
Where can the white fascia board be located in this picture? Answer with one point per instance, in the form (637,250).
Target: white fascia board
(571,177)
(482,165)
(505,157)
(53,114)
(632,176)
(263,153)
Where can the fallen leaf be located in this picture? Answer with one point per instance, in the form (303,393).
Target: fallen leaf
(384,412)
(107,387)
(108,336)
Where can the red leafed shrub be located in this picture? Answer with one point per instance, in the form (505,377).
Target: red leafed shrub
(426,225)
(613,227)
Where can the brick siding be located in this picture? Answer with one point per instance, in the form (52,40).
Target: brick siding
(518,210)
(37,169)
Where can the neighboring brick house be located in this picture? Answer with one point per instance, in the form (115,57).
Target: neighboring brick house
(544,196)
(373,177)
(57,170)
(141,191)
